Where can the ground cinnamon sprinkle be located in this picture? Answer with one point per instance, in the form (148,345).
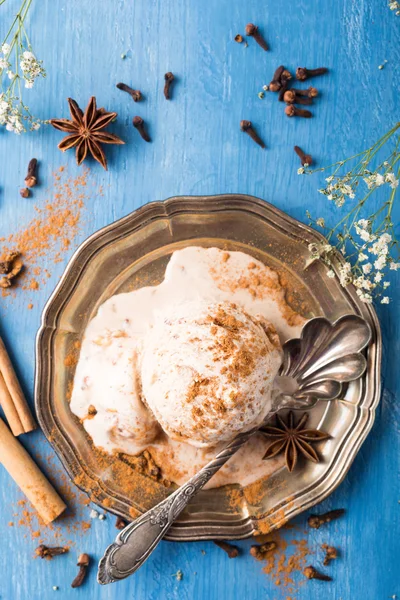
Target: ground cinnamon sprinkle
(49,234)
(284,564)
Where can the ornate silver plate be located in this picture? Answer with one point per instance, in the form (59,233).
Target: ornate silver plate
(134,252)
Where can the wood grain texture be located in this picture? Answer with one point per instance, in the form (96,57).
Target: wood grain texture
(198,148)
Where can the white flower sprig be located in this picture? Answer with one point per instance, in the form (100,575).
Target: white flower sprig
(18,65)
(369,243)
(395,6)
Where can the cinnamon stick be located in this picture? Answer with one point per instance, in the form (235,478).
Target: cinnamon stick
(29,477)
(12,398)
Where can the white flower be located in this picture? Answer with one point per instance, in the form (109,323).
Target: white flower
(330,274)
(330,197)
(367,268)
(365,236)
(326,248)
(385,300)
(386,284)
(10,74)
(362,257)
(379,179)
(362,223)
(394,266)
(320,222)
(380,263)
(28,55)
(364,296)
(301,171)
(329,179)
(29,84)
(4,64)
(378,277)
(35,126)
(5,48)
(391,179)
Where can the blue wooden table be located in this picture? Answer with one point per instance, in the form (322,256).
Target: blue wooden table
(197,148)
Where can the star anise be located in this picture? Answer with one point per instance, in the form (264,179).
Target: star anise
(85,133)
(292,439)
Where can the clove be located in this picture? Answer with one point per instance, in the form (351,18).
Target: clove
(169,78)
(24,192)
(138,123)
(315,521)
(286,76)
(247,127)
(331,553)
(290,97)
(120,523)
(48,551)
(259,551)
(30,179)
(312,573)
(135,94)
(302,73)
(252,31)
(238,38)
(231,550)
(276,83)
(310,92)
(293,111)
(83,563)
(306,159)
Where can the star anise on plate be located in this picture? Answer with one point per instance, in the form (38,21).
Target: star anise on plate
(293,439)
(85,131)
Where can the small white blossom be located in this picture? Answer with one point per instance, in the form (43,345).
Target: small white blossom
(10,74)
(5,48)
(362,257)
(378,277)
(380,263)
(329,179)
(330,274)
(385,300)
(379,179)
(4,64)
(364,296)
(367,268)
(391,179)
(320,222)
(301,171)
(394,266)
(386,284)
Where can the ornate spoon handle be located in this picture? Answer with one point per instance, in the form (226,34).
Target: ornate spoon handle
(137,541)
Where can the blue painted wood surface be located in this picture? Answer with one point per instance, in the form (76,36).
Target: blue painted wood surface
(197,148)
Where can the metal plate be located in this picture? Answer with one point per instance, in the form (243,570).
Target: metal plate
(134,252)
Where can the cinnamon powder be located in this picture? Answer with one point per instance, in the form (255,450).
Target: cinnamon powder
(49,234)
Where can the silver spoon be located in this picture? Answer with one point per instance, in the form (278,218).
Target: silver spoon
(314,367)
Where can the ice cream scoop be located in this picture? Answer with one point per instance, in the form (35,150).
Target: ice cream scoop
(207,371)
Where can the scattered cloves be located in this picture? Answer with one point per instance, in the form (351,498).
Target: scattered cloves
(24,192)
(135,94)
(306,159)
(138,123)
(83,563)
(331,553)
(315,521)
(247,127)
(312,573)
(30,179)
(231,550)
(290,97)
(302,73)
(48,551)
(259,551)
(169,78)
(120,523)
(276,83)
(293,111)
(252,31)
(310,92)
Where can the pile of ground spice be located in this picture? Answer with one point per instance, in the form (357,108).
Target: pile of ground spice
(46,238)
(285,562)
